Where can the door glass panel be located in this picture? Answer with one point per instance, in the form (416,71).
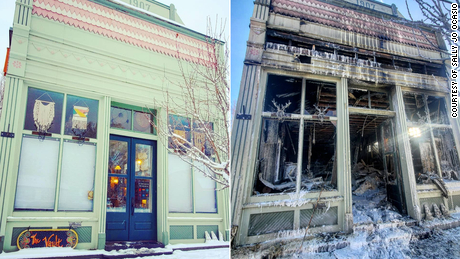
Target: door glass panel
(116,194)
(118,157)
(143,160)
(143,203)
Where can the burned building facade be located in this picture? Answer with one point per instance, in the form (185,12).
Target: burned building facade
(337,98)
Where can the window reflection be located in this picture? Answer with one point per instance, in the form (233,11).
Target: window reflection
(118,157)
(143,160)
(116,194)
(142,122)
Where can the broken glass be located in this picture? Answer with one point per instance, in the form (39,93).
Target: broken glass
(283,94)
(277,164)
(447,153)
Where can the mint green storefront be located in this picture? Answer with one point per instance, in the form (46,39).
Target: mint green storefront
(82,77)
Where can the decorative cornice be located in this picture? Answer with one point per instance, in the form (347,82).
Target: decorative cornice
(346,19)
(119,26)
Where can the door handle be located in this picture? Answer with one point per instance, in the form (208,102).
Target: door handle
(132,206)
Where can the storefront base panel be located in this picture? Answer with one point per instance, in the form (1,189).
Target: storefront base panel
(194,233)
(262,224)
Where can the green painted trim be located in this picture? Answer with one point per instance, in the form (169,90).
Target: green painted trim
(101,241)
(154,20)
(131,107)
(165,239)
(181,231)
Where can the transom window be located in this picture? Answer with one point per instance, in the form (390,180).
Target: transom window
(132,118)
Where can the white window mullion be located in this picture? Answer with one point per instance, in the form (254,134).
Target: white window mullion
(58,178)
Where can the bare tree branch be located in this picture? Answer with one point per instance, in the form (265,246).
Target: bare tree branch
(197,122)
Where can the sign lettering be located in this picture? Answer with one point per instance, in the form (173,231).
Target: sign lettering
(47,238)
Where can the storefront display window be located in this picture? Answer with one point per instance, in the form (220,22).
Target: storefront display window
(180,185)
(433,149)
(205,192)
(44,111)
(38,169)
(81,117)
(53,164)
(77,176)
(298,134)
(182,190)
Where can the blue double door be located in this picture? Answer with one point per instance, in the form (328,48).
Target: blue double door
(131,190)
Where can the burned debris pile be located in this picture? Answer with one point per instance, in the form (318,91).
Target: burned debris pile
(366,177)
(370,203)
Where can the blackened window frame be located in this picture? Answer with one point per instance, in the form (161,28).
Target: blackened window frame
(302,118)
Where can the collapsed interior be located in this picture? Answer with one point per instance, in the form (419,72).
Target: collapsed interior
(283,141)
(376,183)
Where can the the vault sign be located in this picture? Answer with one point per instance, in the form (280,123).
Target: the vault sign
(33,238)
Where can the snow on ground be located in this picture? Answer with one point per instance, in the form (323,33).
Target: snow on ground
(384,243)
(380,232)
(372,207)
(217,253)
(53,252)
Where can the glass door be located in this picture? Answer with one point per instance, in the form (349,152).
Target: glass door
(131,192)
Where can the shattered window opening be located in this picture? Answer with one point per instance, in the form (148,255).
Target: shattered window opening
(283,141)
(368,99)
(434,154)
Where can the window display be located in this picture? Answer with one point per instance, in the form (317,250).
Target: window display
(43,111)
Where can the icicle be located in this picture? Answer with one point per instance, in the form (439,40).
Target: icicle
(314,133)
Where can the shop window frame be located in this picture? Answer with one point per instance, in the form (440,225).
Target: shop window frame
(61,137)
(174,151)
(193,171)
(302,119)
(133,109)
(430,129)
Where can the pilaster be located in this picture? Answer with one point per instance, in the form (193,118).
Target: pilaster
(258,28)
(343,159)
(20,39)
(405,155)
(104,146)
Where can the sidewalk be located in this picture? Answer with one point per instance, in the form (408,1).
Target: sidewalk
(210,250)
